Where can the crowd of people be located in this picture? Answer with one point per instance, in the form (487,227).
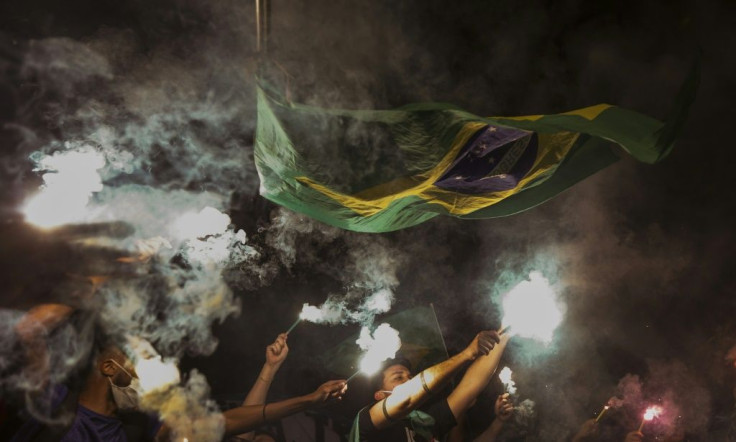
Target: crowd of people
(104,398)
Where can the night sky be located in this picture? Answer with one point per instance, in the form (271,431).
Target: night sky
(643,255)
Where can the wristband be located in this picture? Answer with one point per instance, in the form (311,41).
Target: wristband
(385,413)
(424,383)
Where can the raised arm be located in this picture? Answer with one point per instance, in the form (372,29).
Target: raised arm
(408,396)
(275,355)
(477,377)
(503,410)
(248,417)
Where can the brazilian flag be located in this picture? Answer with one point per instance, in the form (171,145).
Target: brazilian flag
(384,170)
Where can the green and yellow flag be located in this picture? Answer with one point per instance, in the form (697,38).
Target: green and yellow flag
(384,170)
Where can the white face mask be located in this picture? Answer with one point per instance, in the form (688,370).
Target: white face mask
(126,398)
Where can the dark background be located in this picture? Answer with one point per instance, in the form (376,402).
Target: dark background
(644,254)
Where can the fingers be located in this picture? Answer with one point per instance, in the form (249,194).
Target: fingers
(335,389)
(278,345)
(504,407)
(487,340)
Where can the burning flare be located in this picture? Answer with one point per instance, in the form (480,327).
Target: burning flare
(382,344)
(153,372)
(508,383)
(69,180)
(329,312)
(649,414)
(652,412)
(531,310)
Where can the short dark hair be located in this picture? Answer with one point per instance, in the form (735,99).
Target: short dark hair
(399,359)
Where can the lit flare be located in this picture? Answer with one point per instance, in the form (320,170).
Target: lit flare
(649,414)
(508,383)
(531,309)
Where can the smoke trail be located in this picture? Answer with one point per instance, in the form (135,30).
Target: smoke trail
(368,268)
(524,420)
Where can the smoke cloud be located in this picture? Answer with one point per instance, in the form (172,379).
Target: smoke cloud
(163,93)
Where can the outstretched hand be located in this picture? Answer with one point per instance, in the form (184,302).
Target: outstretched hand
(634,436)
(504,409)
(482,344)
(276,353)
(330,391)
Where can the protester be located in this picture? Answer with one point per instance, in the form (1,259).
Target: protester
(503,410)
(275,355)
(395,416)
(105,408)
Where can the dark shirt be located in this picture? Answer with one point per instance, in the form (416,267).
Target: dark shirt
(89,426)
(401,431)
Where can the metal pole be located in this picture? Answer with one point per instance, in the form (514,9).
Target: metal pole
(266,23)
(258,25)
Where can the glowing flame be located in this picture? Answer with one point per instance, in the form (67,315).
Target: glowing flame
(531,310)
(70,179)
(328,312)
(209,221)
(382,344)
(652,412)
(310,313)
(505,377)
(153,372)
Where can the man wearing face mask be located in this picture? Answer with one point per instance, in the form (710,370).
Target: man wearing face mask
(395,417)
(106,404)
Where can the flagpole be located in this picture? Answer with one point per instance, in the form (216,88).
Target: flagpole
(263,12)
(258,25)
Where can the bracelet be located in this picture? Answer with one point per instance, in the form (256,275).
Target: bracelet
(424,383)
(263,412)
(385,413)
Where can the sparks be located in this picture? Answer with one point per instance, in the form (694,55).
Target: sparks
(649,414)
(531,310)
(652,412)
